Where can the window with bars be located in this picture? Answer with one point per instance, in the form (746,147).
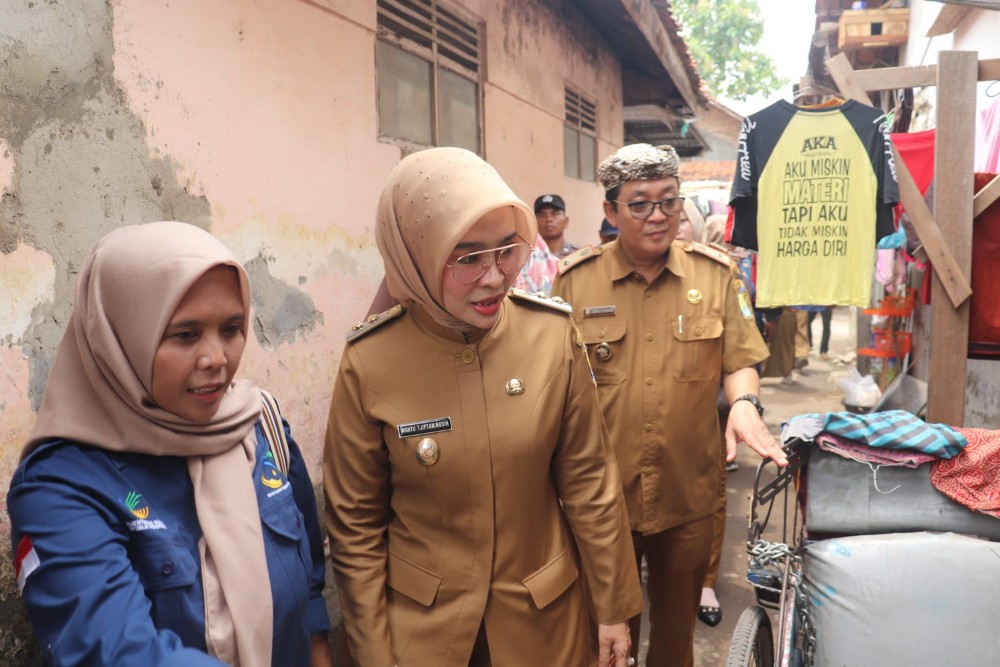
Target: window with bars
(580,137)
(427,63)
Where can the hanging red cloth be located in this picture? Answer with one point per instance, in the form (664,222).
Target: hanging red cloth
(917,151)
(984,305)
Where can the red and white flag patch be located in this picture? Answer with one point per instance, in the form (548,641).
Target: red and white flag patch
(25,562)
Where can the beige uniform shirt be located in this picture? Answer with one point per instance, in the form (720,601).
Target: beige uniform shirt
(659,352)
(522,503)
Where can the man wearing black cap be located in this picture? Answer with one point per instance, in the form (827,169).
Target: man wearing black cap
(550,212)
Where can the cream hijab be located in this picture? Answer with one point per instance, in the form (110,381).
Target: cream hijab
(431,200)
(98,393)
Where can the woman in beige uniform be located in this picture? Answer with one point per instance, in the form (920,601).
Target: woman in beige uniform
(473,503)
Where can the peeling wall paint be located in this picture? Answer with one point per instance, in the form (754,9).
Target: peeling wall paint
(256,121)
(6,167)
(80,163)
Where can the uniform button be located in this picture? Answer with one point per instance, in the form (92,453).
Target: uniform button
(647,427)
(648,294)
(649,336)
(468,356)
(697,331)
(649,380)
(168,568)
(600,334)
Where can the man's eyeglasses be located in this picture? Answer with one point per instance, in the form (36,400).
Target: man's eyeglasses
(469,268)
(641,210)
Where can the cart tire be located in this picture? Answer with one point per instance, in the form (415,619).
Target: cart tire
(752,644)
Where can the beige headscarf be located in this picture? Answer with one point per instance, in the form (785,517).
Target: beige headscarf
(98,393)
(696,218)
(431,200)
(715,228)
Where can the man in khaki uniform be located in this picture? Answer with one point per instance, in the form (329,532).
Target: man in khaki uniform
(665,323)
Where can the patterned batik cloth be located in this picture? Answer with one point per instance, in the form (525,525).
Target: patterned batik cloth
(973,477)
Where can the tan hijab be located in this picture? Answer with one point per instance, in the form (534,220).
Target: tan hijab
(696,218)
(715,228)
(431,200)
(98,393)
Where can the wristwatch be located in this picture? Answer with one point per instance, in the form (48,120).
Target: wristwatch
(753,401)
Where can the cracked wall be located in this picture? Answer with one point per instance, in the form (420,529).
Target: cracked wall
(120,112)
(256,121)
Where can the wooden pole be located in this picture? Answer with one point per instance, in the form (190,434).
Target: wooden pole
(954,147)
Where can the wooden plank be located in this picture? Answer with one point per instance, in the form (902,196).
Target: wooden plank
(956,283)
(948,19)
(888,78)
(985,4)
(644,15)
(986,196)
(953,192)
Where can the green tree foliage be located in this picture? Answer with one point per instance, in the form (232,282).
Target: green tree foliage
(724,38)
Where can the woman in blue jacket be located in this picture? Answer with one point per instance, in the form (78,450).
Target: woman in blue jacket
(151,523)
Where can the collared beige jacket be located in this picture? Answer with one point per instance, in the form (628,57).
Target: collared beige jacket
(518,521)
(660,351)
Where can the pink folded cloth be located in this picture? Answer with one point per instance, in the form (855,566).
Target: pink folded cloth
(973,477)
(851,449)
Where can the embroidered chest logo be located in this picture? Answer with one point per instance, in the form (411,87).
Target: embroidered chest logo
(271,476)
(136,504)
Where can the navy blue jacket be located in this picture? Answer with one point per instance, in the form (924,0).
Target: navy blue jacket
(119,575)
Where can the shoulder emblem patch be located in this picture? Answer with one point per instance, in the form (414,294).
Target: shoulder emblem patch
(712,252)
(359,329)
(542,299)
(743,298)
(572,259)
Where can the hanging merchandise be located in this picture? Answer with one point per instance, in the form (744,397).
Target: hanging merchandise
(987,157)
(984,306)
(917,151)
(813,192)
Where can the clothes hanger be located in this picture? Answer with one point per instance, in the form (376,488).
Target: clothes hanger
(808,87)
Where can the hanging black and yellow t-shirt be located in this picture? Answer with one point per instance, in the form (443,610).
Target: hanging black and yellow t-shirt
(813,191)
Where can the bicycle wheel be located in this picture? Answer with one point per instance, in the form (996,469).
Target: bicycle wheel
(752,645)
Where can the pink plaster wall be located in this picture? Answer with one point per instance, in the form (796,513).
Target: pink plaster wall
(267,110)
(6,167)
(532,55)
(26,282)
(257,120)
